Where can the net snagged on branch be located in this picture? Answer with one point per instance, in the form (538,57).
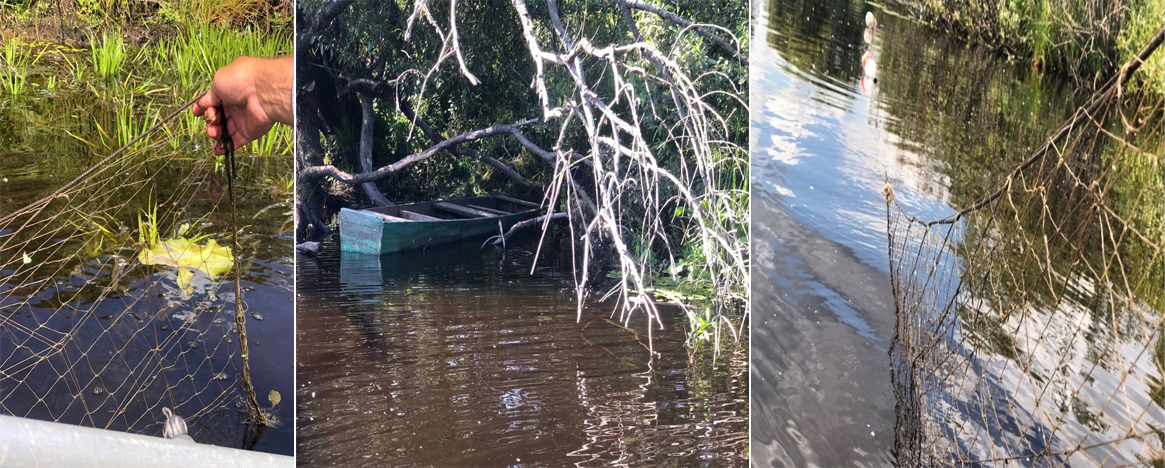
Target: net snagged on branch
(111,297)
(1029,325)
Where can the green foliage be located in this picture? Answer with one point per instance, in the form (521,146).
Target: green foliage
(1076,38)
(148,227)
(703,325)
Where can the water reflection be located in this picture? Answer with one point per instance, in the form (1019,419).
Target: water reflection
(944,123)
(463,357)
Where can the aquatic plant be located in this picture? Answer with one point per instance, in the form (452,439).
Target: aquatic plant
(200,49)
(107,54)
(277,142)
(19,58)
(128,124)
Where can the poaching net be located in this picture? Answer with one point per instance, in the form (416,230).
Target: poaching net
(112,299)
(1029,325)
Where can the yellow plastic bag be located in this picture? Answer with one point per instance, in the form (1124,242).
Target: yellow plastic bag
(212,259)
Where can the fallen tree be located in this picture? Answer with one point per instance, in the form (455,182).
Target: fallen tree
(628,119)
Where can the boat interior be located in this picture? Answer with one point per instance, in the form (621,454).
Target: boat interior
(448,210)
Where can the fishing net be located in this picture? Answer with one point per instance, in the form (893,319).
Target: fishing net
(1029,324)
(112,299)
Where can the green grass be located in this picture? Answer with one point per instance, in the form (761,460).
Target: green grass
(200,49)
(1137,30)
(18,60)
(108,54)
(128,124)
(277,142)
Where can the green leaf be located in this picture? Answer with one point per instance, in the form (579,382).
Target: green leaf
(274,397)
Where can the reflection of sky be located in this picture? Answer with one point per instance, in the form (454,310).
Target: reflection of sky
(821,151)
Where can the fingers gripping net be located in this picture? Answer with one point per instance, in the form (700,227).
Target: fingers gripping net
(1029,325)
(92,331)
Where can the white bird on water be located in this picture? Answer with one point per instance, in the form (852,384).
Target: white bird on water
(870,66)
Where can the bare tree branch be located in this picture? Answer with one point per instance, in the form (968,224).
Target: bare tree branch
(701,29)
(317,172)
(501,240)
(616,187)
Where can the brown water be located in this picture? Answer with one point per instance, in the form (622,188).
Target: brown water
(459,356)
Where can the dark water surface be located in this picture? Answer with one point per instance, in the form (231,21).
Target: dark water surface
(944,123)
(459,356)
(113,344)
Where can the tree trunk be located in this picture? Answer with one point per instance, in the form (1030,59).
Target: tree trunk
(367,125)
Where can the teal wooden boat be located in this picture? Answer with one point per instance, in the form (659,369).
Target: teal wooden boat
(420,225)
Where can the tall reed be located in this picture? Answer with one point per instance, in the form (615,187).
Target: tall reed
(18,60)
(108,54)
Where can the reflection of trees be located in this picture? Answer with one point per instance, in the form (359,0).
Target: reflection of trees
(489,359)
(975,115)
(972,114)
(639,426)
(1059,307)
(818,37)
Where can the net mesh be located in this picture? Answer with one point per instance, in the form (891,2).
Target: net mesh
(1029,325)
(94,333)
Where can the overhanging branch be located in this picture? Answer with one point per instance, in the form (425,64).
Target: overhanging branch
(317,172)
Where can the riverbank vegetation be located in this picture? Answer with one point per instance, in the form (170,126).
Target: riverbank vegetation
(130,63)
(1086,40)
(628,121)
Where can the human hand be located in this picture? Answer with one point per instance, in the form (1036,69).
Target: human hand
(254,94)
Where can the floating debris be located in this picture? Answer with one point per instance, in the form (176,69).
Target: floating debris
(98,390)
(212,259)
(257,316)
(221,376)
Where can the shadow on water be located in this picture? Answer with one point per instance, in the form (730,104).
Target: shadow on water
(460,356)
(943,125)
(141,340)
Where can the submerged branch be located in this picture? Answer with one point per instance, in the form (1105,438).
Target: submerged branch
(500,240)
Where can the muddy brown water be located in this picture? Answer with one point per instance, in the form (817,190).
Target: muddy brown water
(459,356)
